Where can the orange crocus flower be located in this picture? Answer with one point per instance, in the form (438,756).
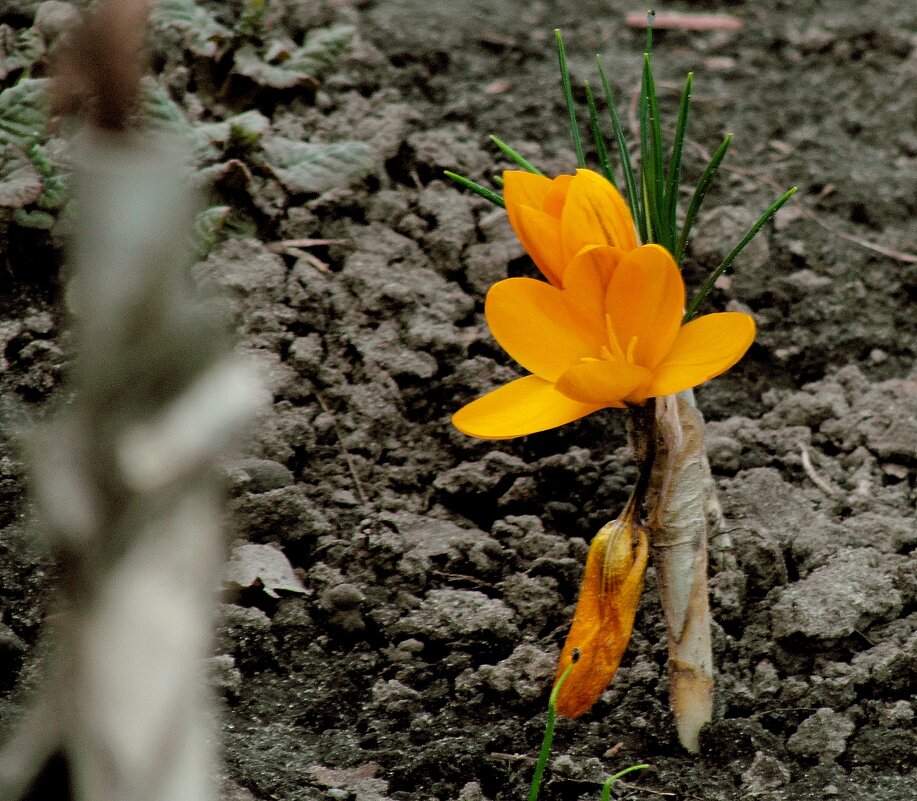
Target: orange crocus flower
(555,219)
(611,335)
(604,614)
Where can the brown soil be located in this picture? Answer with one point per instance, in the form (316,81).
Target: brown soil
(440,570)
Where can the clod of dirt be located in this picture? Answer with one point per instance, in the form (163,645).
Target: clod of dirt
(252,564)
(854,590)
(822,736)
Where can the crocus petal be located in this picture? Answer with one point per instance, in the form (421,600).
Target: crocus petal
(703,348)
(604,616)
(539,234)
(645,303)
(533,205)
(595,214)
(535,191)
(534,323)
(521,407)
(602,381)
(586,278)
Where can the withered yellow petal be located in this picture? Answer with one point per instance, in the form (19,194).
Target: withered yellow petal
(521,407)
(594,213)
(536,325)
(703,348)
(603,381)
(604,616)
(645,303)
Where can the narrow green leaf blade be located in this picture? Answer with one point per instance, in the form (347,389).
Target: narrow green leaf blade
(673,174)
(515,157)
(627,168)
(700,192)
(568,97)
(652,167)
(711,280)
(483,191)
(600,147)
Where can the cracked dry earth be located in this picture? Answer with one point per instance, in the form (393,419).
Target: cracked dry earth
(424,580)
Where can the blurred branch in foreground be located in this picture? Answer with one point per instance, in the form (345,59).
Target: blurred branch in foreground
(124,476)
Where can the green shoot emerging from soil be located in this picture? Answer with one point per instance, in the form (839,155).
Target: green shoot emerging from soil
(548,739)
(652,190)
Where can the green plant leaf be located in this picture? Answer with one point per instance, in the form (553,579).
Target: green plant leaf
(28,49)
(24,112)
(568,97)
(600,147)
(673,173)
(651,162)
(161,112)
(633,198)
(34,218)
(208,225)
(243,131)
(251,20)
(312,167)
(700,192)
(20,183)
(724,265)
(288,69)
(200,31)
(516,157)
(322,49)
(478,189)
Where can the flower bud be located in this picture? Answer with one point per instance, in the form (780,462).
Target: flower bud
(604,614)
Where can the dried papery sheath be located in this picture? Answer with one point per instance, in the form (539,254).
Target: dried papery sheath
(605,612)
(677,505)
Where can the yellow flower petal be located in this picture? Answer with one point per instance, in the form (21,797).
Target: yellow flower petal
(539,234)
(604,382)
(534,323)
(645,303)
(703,348)
(586,278)
(533,205)
(595,214)
(521,407)
(604,616)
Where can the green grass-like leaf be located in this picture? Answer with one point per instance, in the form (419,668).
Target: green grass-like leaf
(535,787)
(568,97)
(627,168)
(724,265)
(516,157)
(651,162)
(700,192)
(609,782)
(478,189)
(673,173)
(601,148)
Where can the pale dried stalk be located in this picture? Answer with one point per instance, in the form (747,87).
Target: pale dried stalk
(677,516)
(125,482)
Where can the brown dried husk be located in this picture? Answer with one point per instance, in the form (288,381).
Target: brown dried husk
(678,501)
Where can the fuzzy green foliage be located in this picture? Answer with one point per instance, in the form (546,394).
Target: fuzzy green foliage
(232,62)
